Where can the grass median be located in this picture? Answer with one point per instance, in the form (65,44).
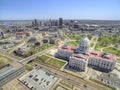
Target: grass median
(72,43)
(55,63)
(112,50)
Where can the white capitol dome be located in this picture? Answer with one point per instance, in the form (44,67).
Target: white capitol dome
(85,41)
(84,44)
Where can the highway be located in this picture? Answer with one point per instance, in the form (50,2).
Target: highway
(73,79)
(11,76)
(80,82)
(66,79)
(25,60)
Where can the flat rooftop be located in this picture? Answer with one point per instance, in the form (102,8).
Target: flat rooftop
(68,48)
(98,54)
(80,56)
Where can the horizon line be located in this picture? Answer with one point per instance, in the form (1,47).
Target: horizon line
(58,19)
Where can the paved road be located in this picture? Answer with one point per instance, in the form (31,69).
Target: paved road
(74,79)
(94,42)
(5,53)
(69,80)
(26,60)
(64,75)
(11,76)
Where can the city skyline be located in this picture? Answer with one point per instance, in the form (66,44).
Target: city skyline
(45,9)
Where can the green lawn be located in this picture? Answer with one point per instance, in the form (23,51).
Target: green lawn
(91,44)
(43,58)
(4,60)
(98,46)
(28,67)
(51,61)
(102,42)
(109,40)
(77,37)
(112,50)
(105,40)
(72,43)
(55,63)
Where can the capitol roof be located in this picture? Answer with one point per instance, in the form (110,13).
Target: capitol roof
(80,56)
(102,55)
(85,40)
(67,48)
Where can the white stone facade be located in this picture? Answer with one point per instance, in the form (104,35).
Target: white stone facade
(64,53)
(79,64)
(84,45)
(101,63)
(87,57)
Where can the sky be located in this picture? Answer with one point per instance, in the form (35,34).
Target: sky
(53,9)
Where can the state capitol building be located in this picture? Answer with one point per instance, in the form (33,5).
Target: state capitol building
(83,56)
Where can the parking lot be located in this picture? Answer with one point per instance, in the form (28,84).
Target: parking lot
(38,79)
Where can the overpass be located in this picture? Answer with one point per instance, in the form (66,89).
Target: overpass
(28,59)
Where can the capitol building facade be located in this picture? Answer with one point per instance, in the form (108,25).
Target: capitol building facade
(83,56)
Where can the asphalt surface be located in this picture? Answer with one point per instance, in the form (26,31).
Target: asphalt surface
(85,84)
(80,82)
(11,76)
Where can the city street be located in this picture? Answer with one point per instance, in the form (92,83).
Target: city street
(73,79)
